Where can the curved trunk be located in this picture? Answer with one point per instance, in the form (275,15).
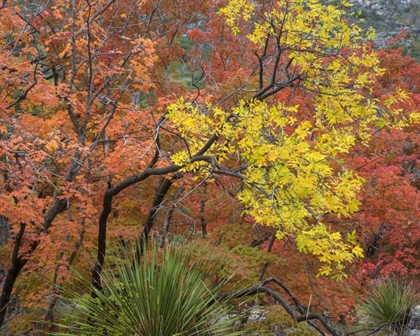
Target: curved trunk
(17,264)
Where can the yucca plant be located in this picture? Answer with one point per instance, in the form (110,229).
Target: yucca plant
(167,293)
(389,305)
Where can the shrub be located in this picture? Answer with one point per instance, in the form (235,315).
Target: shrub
(389,305)
(165,294)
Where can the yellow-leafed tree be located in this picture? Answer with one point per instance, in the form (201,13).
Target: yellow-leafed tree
(291,168)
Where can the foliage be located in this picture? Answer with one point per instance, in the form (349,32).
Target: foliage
(168,294)
(285,323)
(289,180)
(245,257)
(72,77)
(122,119)
(389,304)
(387,223)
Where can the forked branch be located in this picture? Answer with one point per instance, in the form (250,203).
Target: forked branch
(297,311)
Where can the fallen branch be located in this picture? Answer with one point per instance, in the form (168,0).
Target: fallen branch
(298,312)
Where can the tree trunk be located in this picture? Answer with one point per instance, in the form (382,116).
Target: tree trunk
(17,264)
(270,246)
(4,230)
(9,283)
(163,188)
(107,209)
(170,211)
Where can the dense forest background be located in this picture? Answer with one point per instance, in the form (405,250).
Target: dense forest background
(279,139)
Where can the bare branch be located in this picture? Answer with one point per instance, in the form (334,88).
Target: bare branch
(303,314)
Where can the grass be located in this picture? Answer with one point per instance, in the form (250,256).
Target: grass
(389,305)
(167,293)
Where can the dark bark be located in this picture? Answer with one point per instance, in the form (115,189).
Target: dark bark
(100,257)
(374,242)
(170,211)
(259,242)
(4,230)
(202,218)
(128,182)
(298,312)
(270,246)
(9,283)
(202,211)
(107,209)
(17,264)
(373,331)
(163,188)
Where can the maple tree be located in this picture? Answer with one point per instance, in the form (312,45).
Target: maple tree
(69,74)
(94,115)
(387,219)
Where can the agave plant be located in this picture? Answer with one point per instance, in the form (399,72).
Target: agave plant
(389,305)
(168,293)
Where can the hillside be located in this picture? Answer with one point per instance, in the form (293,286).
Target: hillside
(389,17)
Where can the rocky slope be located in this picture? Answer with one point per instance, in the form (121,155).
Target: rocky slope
(389,17)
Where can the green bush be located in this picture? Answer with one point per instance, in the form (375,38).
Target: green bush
(167,293)
(389,305)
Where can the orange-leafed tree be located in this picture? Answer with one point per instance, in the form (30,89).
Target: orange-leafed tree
(72,77)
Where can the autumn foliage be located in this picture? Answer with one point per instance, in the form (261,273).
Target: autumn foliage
(273,128)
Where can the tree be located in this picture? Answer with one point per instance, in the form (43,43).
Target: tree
(69,74)
(387,219)
(94,116)
(289,179)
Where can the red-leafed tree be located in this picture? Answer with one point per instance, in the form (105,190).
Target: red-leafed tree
(72,76)
(388,219)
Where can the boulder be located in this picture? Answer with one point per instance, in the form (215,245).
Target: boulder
(413,326)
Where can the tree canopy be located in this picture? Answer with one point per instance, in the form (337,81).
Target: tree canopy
(117,115)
